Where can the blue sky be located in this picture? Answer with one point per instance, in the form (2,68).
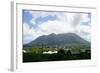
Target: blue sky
(37,23)
(27,17)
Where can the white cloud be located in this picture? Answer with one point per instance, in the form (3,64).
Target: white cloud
(28,34)
(37,14)
(85,18)
(84,32)
(55,27)
(83,28)
(33,21)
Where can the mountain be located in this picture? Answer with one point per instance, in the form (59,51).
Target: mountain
(57,39)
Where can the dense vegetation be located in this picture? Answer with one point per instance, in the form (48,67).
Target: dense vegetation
(37,55)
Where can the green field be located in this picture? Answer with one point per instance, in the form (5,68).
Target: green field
(38,55)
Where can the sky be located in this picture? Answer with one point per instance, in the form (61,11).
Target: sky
(37,23)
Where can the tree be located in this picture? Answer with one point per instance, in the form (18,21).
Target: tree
(69,52)
(60,54)
(61,51)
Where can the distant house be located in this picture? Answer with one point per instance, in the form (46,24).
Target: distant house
(50,52)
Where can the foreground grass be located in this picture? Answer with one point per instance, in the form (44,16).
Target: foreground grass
(33,57)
